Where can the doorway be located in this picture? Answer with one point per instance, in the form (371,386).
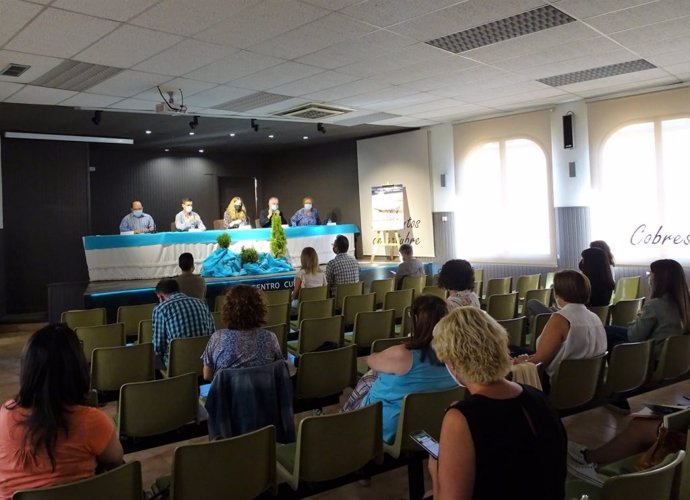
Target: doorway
(244,187)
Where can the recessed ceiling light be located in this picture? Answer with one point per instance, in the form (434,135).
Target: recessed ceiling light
(166,150)
(232,134)
(148,131)
(305,137)
(201,151)
(270,136)
(191,133)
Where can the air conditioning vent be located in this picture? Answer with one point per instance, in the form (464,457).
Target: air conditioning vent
(313,111)
(14,70)
(76,75)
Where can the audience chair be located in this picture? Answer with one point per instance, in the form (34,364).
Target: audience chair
(277,313)
(658,483)
(173,227)
(218,224)
(371,326)
(145,331)
(121,483)
(548,279)
(313,309)
(345,290)
(502,306)
(84,317)
(281,332)
(537,324)
(315,293)
(111,367)
(527,282)
(441,293)
(377,345)
(405,328)
(322,376)
(381,288)
(398,301)
(497,286)
(157,406)
(274,297)
(355,304)
(185,356)
(218,320)
(242,466)
(257,223)
(516,330)
(625,311)
(628,368)
(575,383)
(218,303)
(674,359)
(94,337)
(542,295)
(132,315)
(602,312)
(314,332)
(626,289)
(331,446)
(479,282)
(416,283)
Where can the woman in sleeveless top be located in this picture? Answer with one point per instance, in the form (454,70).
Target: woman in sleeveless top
(493,442)
(573,331)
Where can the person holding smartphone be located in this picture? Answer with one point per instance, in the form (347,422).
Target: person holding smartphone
(504,432)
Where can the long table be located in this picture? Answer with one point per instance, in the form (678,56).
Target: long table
(154,256)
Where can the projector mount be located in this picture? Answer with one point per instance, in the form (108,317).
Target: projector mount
(169,103)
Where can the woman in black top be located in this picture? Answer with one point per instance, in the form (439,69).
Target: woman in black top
(504,441)
(596,266)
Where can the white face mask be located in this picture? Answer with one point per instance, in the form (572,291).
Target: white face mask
(274,207)
(188,210)
(452,375)
(138,213)
(307,206)
(557,304)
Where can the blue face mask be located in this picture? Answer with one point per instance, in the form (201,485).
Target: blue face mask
(307,206)
(138,213)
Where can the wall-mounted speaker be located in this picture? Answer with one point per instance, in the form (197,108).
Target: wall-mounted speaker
(568,131)
(443,180)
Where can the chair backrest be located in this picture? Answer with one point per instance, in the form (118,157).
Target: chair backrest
(93,337)
(218,320)
(625,311)
(398,300)
(516,330)
(416,283)
(173,227)
(218,224)
(626,289)
(314,293)
(536,327)
(111,367)
(354,304)
(381,288)
(277,313)
(422,411)
(575,382)
(346,289)
(379,345)
(502,306)
(543,295)
(602,312)
(257,223)
(657,483)
(281,332)
(406,323)
(185,355)
(548,279)
(435,290)
(527,282)
(674,359)
(316,331)
(373,325)
(121,483)
(326,373)
(498,286)
(244,465)
(278,296)
(145,331)
(356,435)
(313,309)
(479,282)
(680,421)
(628,367)
(132,315)
(84,317)
(157,406)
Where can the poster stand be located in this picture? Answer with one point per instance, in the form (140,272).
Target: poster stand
(390,245)
(387,204)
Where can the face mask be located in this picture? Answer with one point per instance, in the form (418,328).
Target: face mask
(238,206)
(307,206)
(452,375)
(274,207)
(188,210)
(138,213)
(557,304)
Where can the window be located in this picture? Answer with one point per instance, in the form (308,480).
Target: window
(642,201)
(505,208)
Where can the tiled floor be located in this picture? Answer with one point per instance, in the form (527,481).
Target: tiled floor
(590,428)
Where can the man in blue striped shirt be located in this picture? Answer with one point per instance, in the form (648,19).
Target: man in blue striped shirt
(137,221)
(177,316)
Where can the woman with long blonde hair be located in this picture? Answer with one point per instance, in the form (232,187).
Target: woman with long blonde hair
(236,214)
(309,275)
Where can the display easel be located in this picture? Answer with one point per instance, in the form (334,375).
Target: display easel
(387,244)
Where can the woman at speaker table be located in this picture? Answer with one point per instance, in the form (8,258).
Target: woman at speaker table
(236,214)
(307,215)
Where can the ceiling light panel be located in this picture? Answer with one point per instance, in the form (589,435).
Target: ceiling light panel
(75,75)
(503,29)
(597,73)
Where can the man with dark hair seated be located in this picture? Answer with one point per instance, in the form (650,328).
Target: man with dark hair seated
(344,267)
(191,284)
(177,316)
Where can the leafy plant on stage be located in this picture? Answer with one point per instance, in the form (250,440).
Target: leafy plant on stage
(249,256)
(223,240)
(278,239)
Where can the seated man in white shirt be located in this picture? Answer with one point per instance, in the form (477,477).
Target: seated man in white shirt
(137,221)
(187,219)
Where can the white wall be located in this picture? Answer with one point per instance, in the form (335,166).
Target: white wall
(442,163)
(398,159)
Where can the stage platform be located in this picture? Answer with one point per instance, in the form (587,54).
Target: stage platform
(113,294)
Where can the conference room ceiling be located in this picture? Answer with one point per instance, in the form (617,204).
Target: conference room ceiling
(385,63)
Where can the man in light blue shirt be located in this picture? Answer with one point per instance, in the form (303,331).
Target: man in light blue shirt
(137,221)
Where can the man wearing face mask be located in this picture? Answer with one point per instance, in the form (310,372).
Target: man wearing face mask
(137,221)
(187,219)
(267,213)
(306,216)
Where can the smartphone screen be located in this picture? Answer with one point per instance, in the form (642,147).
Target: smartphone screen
(427,442)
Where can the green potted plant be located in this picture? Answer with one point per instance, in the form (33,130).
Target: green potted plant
(223,240)
(249,256)
(278,239)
